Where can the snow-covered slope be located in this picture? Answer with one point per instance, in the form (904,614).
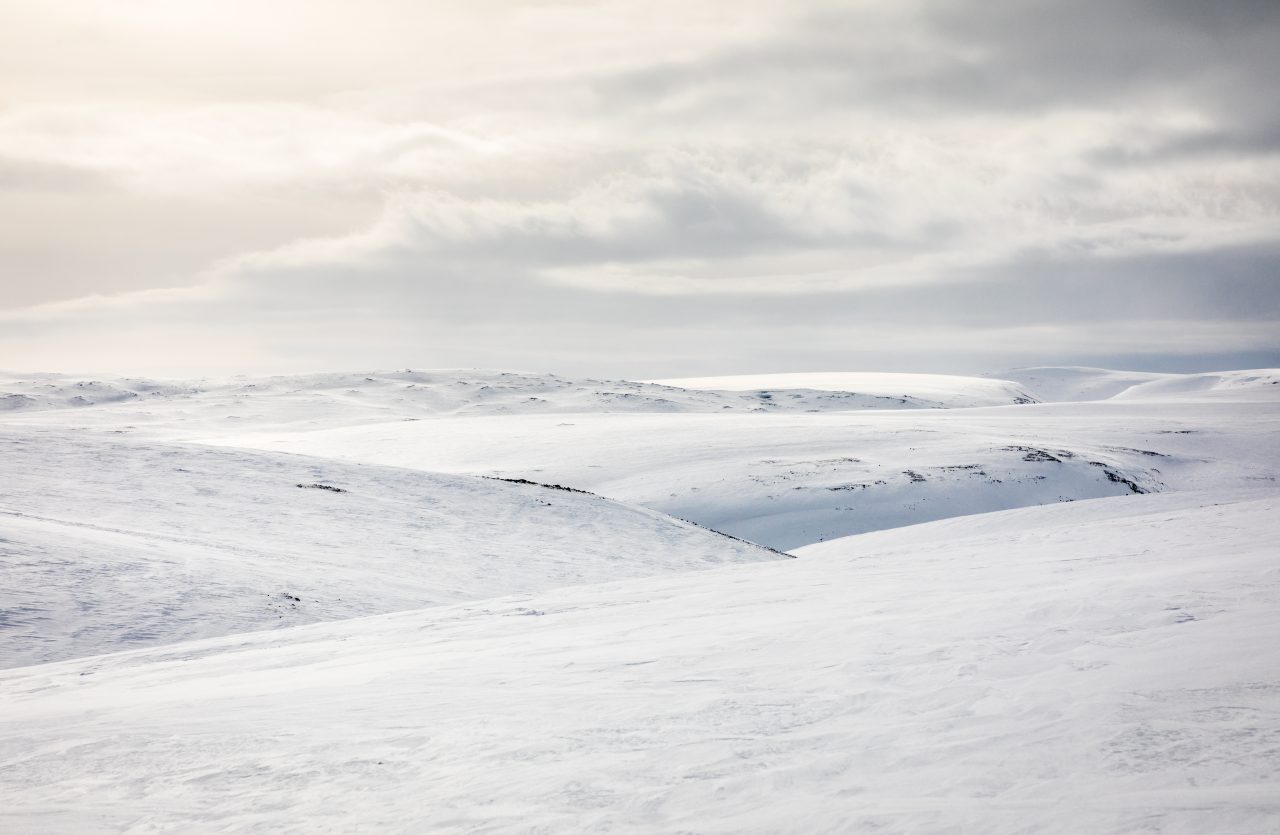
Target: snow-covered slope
(790,480)
(1057,384)
(943,390)
(107,543)
(1242,385)
(1076,383)
(1093,667)
(58,391)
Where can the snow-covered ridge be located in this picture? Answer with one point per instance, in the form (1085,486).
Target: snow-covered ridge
(58,391)
(107,543)
(345,398)
(1247,385)
(1113,659)
(941,390)
(316,399)
(1080,383)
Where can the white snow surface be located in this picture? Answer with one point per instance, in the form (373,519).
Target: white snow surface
(1077,383)
(781,475)
(1086,639)
(787,480)
(109,543)
(1104,666)
(942,389)
(318,400)
(1212,387)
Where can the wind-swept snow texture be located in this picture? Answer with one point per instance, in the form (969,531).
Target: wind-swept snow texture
(107,544)
(1107,666)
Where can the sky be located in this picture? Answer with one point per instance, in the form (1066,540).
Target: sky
(638,189)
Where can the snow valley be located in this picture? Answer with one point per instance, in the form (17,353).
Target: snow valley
(1047,600)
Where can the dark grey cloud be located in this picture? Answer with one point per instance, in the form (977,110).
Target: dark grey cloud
(1240,283)
(1004,58)
(1237,285)
(1047,52)
(1247,139)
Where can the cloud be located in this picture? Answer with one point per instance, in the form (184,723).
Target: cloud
(361,302)
(931,184)
(953,57)
(25,175)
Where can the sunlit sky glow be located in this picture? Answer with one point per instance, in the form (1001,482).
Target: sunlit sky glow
(638,189)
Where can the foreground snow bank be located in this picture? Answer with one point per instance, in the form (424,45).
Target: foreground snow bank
(1104,666)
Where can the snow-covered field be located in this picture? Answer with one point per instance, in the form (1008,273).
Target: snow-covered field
(293,604)
(1077,668)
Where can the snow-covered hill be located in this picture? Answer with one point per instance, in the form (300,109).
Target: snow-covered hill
(108,543)
(788,480)
(1263,383)
(58,391)
(1106,666)
(327,400)
(943,390)
(781,466)
(1077,383)
(755,464)
(1058,384)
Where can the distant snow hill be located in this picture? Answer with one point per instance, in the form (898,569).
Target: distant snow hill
(107,544)
(1106,666)
(315,400)
(939,390)
(788,480)
(782,466)
(1076,383)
